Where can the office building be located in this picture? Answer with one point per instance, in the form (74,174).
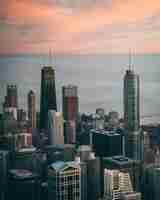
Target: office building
(48,95)
(23,184)
(11,101)
(126,165)
(32,109)
(64,181)
(21,115)
(12,96)
(151,182)
(70,102)
(94,189)
(104,141)
(56,128)
(70,132)
(133,136)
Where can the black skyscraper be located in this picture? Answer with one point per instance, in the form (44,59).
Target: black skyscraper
(48,95)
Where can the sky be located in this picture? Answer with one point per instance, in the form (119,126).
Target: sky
(79,26)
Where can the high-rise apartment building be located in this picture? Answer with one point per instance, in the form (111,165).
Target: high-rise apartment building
(48,95)
(55,128)
(32,109)
(64,181)
(133,139)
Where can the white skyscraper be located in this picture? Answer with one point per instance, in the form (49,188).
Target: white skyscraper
(55,125)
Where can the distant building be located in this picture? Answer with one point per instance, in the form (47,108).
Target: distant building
(70,102)
(55,126)
(64,181)
(11,101)
(32,109)
(21,115)
(100,112)
(48,95)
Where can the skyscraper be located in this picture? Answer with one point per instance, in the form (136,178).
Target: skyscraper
(32,109)
(12,98)
(70,112)
(131,101)
(70,102)
(48,95)
(133,136)
(11,101)
(55,126)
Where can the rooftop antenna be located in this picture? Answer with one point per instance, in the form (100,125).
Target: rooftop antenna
(50,57)
(130,60)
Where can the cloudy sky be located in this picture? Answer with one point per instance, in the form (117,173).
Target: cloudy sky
(79,26)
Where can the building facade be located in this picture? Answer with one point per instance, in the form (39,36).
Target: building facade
(32,109)
(55,128)
(133,136)
(48,95)
(64,181)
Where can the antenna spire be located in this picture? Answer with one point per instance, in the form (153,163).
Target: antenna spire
(50,57)
(130,60)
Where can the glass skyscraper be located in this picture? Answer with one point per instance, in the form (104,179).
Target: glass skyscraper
(48,95)
(133,136)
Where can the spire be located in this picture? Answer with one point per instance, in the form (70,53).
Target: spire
(130,61)
(50,57)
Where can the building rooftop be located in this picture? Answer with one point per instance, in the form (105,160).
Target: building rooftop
(61,166)
(120,160)
(21,174)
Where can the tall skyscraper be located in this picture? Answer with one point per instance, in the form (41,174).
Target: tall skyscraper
(48,95)
(32,109)
(131,101)
(11,101)
(70,102)
(12,98)
(70,112)
(133,137)
(55,126)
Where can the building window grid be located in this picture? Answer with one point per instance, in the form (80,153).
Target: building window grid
(63,182)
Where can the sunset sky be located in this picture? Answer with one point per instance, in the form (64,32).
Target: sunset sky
(79,26)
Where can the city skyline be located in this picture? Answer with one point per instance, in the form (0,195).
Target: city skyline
(68,27)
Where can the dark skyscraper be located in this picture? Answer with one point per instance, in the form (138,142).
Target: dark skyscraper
(12,99)
(48,95)
(133,136)
(131,101)
(70,102)
(32,109)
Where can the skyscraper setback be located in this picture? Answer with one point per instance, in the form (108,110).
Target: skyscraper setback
(48,95)
(32,109)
